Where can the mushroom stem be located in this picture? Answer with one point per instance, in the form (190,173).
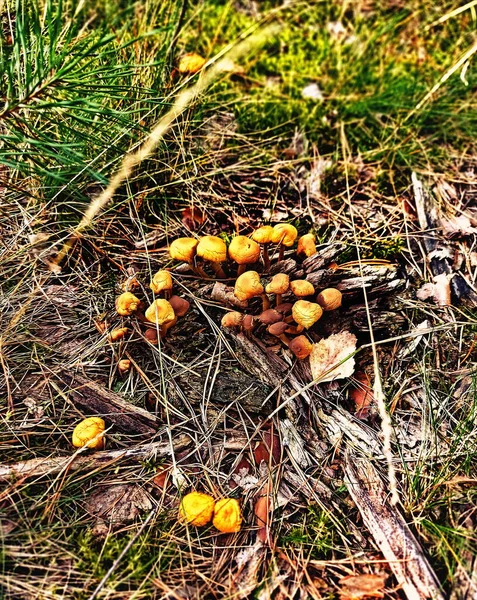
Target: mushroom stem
(294,330)
(241,269)
(266,257)
(284,338)
(281,252)
(278,299)
(265,302)
(288,319)
(199,271)
(218,270)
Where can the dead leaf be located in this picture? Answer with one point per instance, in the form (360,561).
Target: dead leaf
(192,218)
(355,587)
(312,92)
(460,226)
(330,358)
(361,393)
(439,290)
(118,504)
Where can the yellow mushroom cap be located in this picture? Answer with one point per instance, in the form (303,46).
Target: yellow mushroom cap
(306,313)
(330,299)
(306,245)
(191,63)
(197,508)
(285,234)
(263,235)
(160,312)
(248,285)
(243,250)
(126,304)
(279,284)
(162,280)
(227,515)
(183,249)
(301,288)
(86,431)
(212,248)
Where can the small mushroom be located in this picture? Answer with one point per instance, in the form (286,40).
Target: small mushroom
(270,316)
(243,251)
(213,249)
(248,286)
(284,308)
(232,319)
(302,288)
(117,334)
(278,330)
(306,245)
(89,432)
(330,299)
(278,285)
(190,63)
(161,313)
(227,515)
(306,314)
(179,305)
(263,236)
(301,347)
(197,508)
(151,335)
(124,366)
(126,304)
(248,324)
(162,282)
(185,249)
(285,235)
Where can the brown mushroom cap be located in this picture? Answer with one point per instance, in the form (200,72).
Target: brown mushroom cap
(330,299)
(263,235)
(248,322)
(243,250)
(183,249)
(126,304)
(302,288)
(277,329)
(284,234)
(279,284)
(160,312)
(248,285)
(306,245)
(301,347)
(179,305)
(162,281)
(306,313)
(212,248)
(284,308)
(232,319)
(270,316)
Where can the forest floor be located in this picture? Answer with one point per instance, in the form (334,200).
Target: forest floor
(355,121)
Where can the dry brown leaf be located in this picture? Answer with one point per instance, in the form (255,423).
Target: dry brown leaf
(439,290)
(361,393)
(330,358)
(355,587)
(460,226)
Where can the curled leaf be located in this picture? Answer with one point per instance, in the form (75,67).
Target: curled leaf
(331,357)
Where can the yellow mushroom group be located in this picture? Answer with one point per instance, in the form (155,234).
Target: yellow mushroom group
(199,509)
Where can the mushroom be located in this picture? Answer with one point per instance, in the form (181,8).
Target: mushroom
(162,282)
(285,235)
(151,335)
(124,365)
(306,245)
(270,316)
(284,308)
(302,288)
(89,432)
(227,515)
(190,63)
(161,313)
(243,251)
(232,319)
(179,305)
(248,286)
(330,299)
(197,508)
(263,236)
(126,304)
(301,347)
(278,330)
(278,286)
(185,249)
(117,334)
(213,249)
(248,324)
(306,314)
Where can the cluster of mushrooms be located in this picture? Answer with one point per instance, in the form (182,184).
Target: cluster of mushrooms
(209,256)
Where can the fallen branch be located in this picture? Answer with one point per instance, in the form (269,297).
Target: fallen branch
(37,467)
(390,531)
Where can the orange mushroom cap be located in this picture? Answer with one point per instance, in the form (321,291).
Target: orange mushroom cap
(284,234)
(227,515)
(243,250)
(160,312)
(330,299)
(263,235)
(306,313)
(232,319)
(183,249)
(248,285)
(212,248)
(162,281)
(126,304)
(302,288)
(86,431)
(197,508)
(306,245)
(279,284)
(301,347)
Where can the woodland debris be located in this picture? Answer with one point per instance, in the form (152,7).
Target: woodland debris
(390,531)
(331,358)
